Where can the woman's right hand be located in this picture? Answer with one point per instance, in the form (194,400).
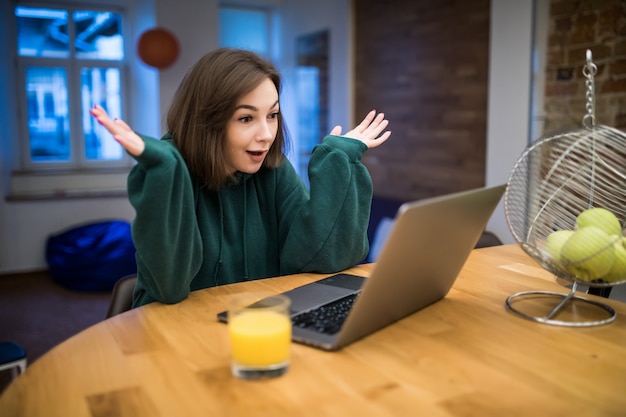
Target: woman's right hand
(121,132)
(368,130)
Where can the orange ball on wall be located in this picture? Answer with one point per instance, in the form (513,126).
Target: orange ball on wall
(158,48)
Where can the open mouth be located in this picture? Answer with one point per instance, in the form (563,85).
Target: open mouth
(256,153)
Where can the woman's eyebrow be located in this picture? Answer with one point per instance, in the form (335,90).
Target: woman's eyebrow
(253,108)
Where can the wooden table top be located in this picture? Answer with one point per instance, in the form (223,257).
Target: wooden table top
(463,356)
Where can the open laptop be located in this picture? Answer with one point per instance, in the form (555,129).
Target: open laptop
(428,245)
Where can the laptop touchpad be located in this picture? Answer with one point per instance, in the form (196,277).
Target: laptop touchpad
(348,281)
(313,295)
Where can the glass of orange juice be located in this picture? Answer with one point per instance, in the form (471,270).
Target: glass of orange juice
(260,335)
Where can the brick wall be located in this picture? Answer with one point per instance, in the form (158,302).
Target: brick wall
(574,27)
(425,64)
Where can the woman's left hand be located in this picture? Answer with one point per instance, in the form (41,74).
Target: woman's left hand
(368,130)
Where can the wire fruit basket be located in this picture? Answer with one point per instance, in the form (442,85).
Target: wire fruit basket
(555,180)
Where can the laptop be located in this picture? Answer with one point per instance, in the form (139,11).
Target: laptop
(428,245)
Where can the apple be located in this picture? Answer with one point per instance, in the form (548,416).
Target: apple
(555,242)
(618,270)
(589,253)
(599,217)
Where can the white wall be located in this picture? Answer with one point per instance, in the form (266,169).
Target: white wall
(509,95)
(195,24)
(24,226)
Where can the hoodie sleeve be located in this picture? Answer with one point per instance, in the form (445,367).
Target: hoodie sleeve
(165,231)
(326,229)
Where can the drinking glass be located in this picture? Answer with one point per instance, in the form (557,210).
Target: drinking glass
(260,335)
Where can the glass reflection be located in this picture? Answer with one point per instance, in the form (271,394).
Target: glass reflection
(42,32)
(100,86)
(98,35)
(48,121)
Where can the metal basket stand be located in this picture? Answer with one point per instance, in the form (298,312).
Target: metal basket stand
(563,301)
(552,316)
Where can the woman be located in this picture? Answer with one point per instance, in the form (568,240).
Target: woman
(218,202)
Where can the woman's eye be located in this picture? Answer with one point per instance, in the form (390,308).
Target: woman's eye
(245,119)
(273,116)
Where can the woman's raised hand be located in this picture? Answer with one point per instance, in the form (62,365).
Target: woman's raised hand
(368,130)
(121,132)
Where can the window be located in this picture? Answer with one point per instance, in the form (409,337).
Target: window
(245,28)
(69,59)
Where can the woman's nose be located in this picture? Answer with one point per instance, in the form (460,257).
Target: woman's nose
(266,132)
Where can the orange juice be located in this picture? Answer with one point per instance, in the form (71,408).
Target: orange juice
(260,338)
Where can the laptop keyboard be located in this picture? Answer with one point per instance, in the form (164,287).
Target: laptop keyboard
(326,319)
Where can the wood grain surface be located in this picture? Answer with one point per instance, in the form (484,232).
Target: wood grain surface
(463,356)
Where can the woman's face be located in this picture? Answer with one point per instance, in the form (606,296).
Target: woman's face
(251,130)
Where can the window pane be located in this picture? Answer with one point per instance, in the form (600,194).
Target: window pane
(245,29)
(100,86)
(98,35)
(48,118)
(42,32)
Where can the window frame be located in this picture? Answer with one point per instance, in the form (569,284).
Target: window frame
(73,65)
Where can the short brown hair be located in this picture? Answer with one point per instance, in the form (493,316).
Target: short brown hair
(206,100)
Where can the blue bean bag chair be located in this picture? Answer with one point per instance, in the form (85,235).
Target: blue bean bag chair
(91,257)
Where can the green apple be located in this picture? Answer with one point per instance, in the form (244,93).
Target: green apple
(618,270)
(589,253)
(599,217)
(555,242)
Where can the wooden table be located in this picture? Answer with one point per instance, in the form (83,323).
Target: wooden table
(463,356)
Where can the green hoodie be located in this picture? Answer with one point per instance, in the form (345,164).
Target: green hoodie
(262,225)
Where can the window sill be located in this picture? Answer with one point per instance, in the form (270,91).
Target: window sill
(35,186)
(65,195)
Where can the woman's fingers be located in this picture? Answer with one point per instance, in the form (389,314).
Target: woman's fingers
(377,142)
(121,132)
(103,118)
(373,126)
(336,131)
(376,127)
(366,121)
(370,129)
(122,124)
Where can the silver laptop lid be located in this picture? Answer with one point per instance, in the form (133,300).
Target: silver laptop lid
(427,247)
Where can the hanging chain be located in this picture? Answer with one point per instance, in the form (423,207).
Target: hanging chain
(589,120)
(589,71)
